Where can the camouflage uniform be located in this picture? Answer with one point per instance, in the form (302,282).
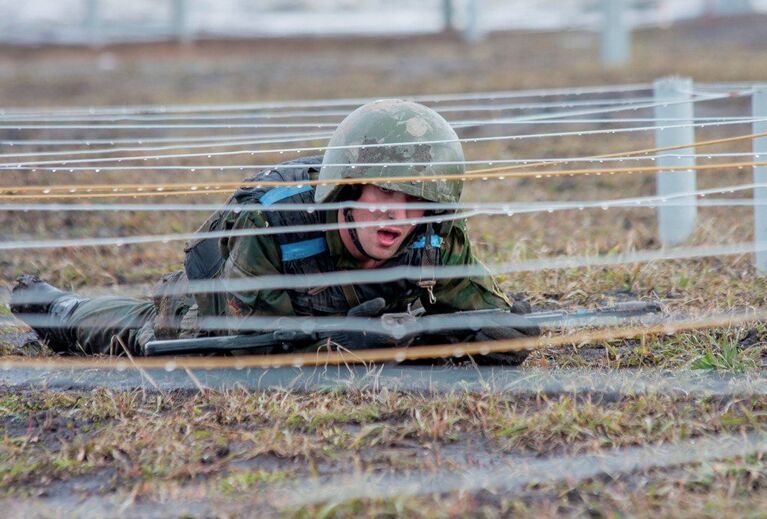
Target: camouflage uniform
(242,257)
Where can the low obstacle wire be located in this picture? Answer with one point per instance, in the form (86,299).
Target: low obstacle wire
(507,208)
(231,142)
(418,327)
(532,161)
(703,88)
(65,165)
(167,189)
(213,141)
(469,211)
(307,281)
(335,113)
(517,121)
(309,103)
(554,115)
(399,354)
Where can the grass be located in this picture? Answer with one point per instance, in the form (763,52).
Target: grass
(230,444)
(230,451)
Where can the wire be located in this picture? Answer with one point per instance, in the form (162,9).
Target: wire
(354,101)
(66,165)
(335,113)
(621,108)
(341,357)
(115,190)
(508,208)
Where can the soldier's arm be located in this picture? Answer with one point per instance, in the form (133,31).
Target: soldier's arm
(465,293)
(248,257)
(476,293)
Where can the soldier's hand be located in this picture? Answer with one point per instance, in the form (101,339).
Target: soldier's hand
(372,308)
(525,328)
(354,340)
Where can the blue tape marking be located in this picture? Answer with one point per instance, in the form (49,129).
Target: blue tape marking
(281,193)
(420,242)
(303,249)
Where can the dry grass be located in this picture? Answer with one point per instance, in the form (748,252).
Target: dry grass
(236,444)
(231,449)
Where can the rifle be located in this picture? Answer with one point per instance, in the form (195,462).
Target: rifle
(410,324)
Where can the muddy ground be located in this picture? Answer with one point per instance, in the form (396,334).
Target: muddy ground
(247,451)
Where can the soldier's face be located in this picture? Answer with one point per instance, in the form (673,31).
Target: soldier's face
(381,241)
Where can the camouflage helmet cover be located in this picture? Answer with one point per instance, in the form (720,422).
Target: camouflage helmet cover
(365,145)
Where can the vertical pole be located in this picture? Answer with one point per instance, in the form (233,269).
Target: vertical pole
(180,20)
(447,15)
(92,22)
(759,109)
(472,32)
(732,7)
(616,37)
(675,224)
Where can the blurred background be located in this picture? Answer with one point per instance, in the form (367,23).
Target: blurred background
(201,47)
(112,21)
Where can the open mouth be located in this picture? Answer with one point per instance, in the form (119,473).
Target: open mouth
(388,236)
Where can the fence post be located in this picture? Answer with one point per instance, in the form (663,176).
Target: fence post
(616,36)
(447,15)
(92,22)
(180,20)
(675,224)
(472,32)
(759,110)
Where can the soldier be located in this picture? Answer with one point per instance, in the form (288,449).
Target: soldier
(364,146)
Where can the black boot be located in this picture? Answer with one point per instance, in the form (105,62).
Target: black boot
(32,295)
(44,308)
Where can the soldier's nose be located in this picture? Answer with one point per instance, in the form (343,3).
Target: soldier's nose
(397,214)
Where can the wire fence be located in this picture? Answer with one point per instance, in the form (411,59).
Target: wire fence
(605,109)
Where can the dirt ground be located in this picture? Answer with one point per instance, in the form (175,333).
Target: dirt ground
(240,452)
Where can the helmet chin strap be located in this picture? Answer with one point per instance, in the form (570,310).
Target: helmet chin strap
(355,237)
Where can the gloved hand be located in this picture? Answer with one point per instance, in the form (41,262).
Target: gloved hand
(364,340)
(525,328)
(484,325)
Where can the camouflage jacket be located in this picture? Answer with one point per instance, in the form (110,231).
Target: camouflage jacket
(299,254)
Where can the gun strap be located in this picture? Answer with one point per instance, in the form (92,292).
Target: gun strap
(350,295)
(429,260)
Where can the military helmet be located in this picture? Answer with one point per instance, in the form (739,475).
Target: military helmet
(366,145)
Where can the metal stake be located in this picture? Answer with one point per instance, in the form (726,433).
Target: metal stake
(92,22)
(675,224)
(180,20)
(616,36)
(759,109)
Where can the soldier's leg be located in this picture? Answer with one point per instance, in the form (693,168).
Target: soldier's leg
(70,323)
(108,324)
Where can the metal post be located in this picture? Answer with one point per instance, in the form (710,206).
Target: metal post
(180,20)
(447,15)
(616,36)
(675,224)
(92,22)
(472,32)
(759,109)
(731,7)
